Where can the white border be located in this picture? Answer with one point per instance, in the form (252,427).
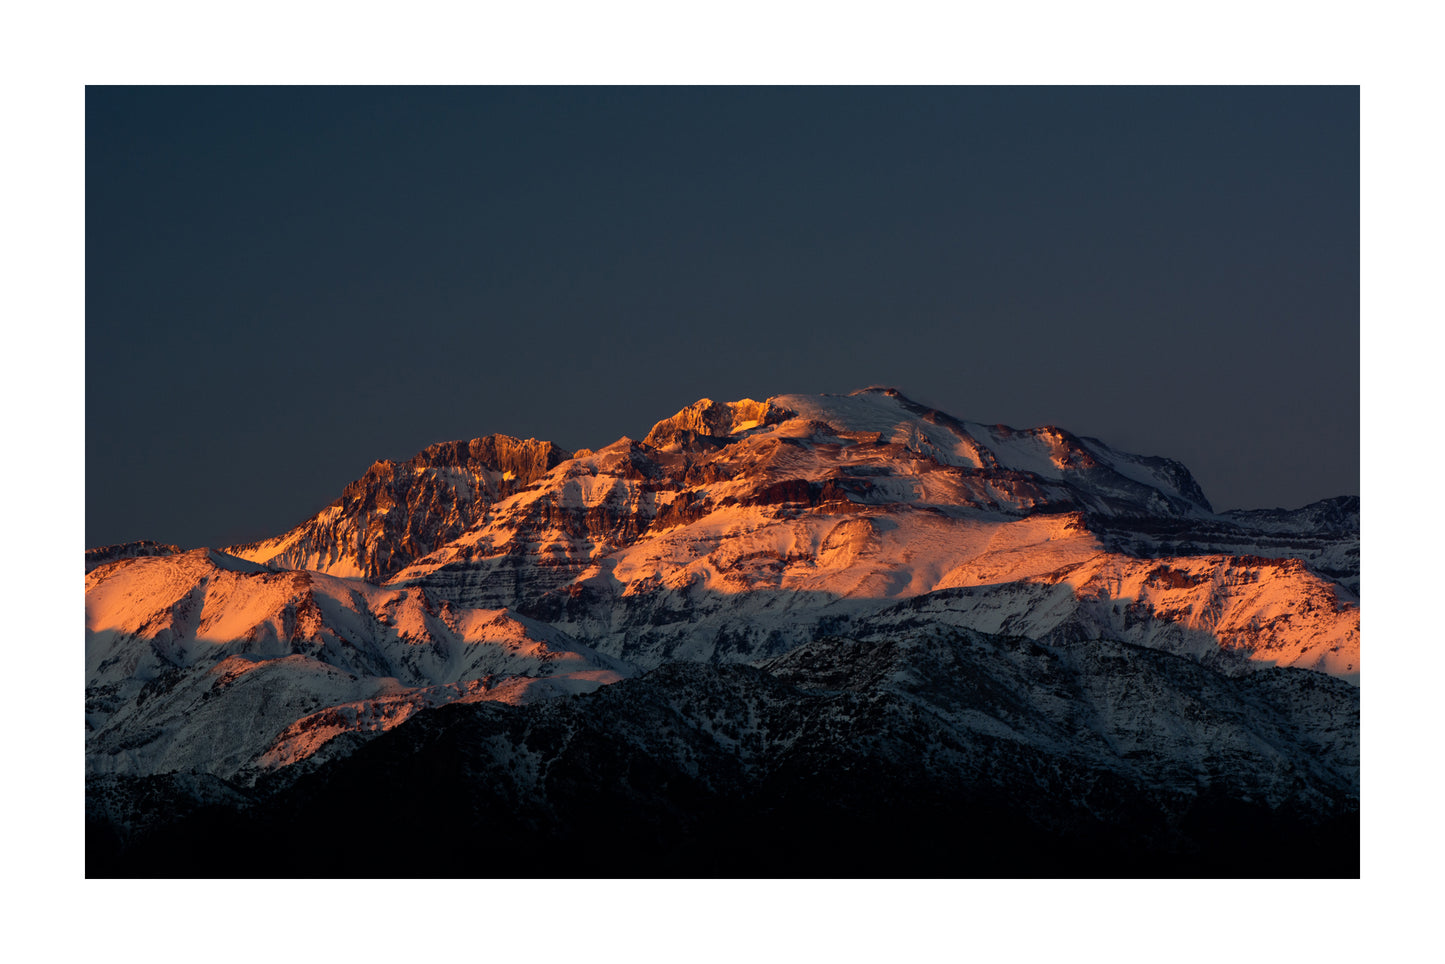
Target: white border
(60,48)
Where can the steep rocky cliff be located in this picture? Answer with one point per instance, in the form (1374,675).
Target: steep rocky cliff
(400,511)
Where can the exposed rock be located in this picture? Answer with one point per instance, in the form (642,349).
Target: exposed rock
(126,550)
(706,418)
(398,512)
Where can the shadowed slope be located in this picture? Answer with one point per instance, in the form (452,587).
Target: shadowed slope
(954,755)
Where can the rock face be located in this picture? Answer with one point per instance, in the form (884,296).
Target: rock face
(707,419)
(777,624)
(399,512)
(126,550)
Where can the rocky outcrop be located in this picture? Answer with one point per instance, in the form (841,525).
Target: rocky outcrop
(519,461)
(398,512)
(100,555)
(706,418)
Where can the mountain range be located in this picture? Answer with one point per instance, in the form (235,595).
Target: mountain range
(812,635)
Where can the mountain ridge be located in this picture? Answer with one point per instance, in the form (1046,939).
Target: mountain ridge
(397,510)
(785,536)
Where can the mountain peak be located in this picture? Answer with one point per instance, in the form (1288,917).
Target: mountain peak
(888,390)
(100,555)
(709,419)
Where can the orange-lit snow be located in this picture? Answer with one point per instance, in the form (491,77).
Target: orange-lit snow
(927,523)
(244,652)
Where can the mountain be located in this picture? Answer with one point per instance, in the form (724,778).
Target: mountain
(739,531)
(764,618)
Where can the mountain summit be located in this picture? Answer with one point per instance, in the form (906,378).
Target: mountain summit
(967,584)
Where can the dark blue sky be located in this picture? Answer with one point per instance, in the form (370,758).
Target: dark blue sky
(283,285)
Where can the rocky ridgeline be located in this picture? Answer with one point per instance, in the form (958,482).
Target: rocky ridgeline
(706,418)
(100,555)
(398,512)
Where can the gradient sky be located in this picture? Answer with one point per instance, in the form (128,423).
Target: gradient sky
(284,285)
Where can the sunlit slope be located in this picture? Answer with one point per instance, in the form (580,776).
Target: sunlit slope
(739,530)
(201,660)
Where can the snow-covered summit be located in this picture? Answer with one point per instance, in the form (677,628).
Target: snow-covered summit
(711,419)
(397,513)
(1107,480)
(735,530)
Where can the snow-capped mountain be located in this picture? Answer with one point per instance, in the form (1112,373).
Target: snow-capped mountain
(740,531)
(1014,598)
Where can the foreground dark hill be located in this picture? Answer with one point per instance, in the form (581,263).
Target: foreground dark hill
(952,754)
